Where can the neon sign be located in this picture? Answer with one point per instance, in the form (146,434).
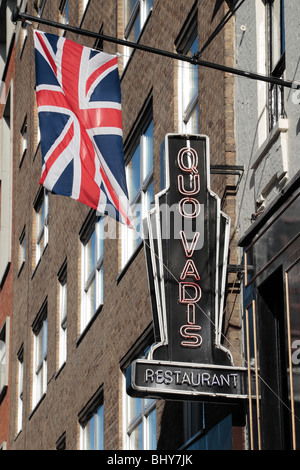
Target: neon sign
(186,248)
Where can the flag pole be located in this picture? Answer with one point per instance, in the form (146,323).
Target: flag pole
(194,60)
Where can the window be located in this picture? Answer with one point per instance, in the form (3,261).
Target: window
(38,140)
(40,334)
(276,61)
(22,250)
(4,360)
(62,314)
(206,426)
(24,140)
(39,6)
(91,421)
(187,44)
(139,174)
(99,42)
(24,32)
(61,442)
(64,11)
(193,419)
(64,14)
(41,207)
(92,239)
(84,5)
(141,423)
(139,413)
(6,179)
(20,390)
(136,13)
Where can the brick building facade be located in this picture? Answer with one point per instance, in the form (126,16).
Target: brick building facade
(68,363)
(7,71)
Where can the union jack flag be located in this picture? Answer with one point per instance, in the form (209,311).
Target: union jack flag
(79,108)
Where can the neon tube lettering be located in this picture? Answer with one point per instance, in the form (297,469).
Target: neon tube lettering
(190,270)
(191,201)
(194,340)
(189,207)
(191,192)
(185,297)
(189,249)
(192,158)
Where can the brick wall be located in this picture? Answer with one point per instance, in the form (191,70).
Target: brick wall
(94,361)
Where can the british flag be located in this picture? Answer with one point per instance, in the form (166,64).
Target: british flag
(79,108)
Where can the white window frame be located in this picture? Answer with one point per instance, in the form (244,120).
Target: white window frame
(22,250)
(64,11)
(24,32)
(20,391)
(96,422)
(4,356)
(92,278)
(24,136)
(276,59)
(40,338)
(141,200)
(91,418)
(138,16)
(188,103)
(41,208)
(62,314)
(39,6)
(145,407)
(141,420)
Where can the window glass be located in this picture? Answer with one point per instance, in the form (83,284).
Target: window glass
(92,431)
(276,45)
(41,235)
(188,88)
(139,174)
(136,13)
(40,361)
(63,305)
(92,275)
(140,420)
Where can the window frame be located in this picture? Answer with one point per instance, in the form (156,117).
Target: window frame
(187,44)
(141,13)
(94,225)
(22,251)
(24,140)
(4,357)
(148,406)
(147,409)
(41,208)
(40,351)
(20,359)
(94,410)
(276,68)
(62,315)
(64,11)
(39,6)
(131,240)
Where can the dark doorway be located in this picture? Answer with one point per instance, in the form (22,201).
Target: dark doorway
(275,428)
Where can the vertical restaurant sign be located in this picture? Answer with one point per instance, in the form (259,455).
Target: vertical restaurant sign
(186,241)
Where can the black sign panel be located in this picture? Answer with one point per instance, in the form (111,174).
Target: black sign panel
(186,239)
(176,380)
